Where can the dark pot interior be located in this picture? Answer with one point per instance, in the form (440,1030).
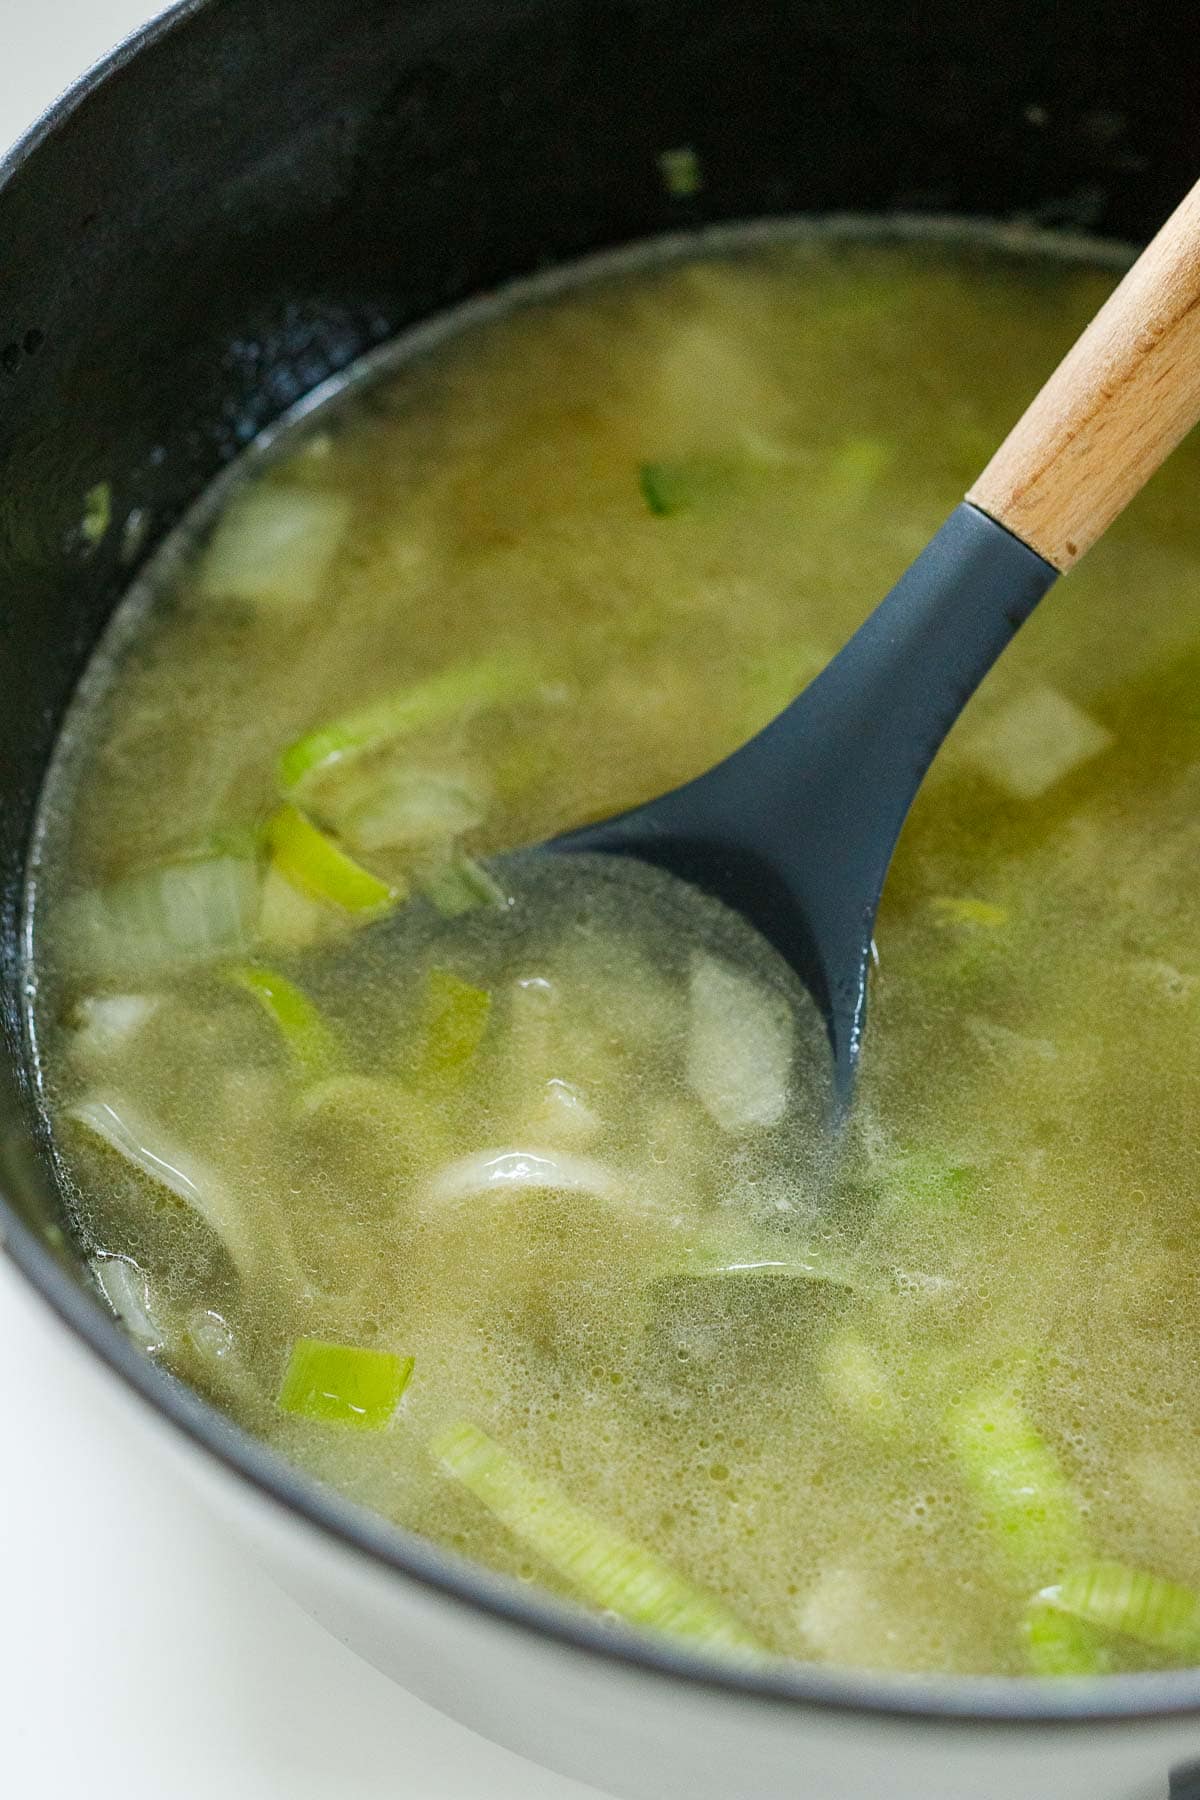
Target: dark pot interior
(267,188)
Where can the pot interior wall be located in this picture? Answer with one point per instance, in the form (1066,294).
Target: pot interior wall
(271,187)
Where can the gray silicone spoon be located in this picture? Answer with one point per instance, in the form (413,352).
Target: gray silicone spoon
(796,829)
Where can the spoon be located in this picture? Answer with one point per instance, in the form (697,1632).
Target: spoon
(796,829)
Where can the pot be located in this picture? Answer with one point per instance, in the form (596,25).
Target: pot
(246,198)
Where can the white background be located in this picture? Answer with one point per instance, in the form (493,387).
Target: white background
(141,1656)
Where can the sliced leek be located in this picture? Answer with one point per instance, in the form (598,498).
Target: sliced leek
(603,1566)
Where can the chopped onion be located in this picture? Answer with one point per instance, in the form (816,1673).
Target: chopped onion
(564,1113)
(1035,741)
(127,1291)
(274,546)
(212,1335)
(740,1047)
(104,1025)
(164,918)
(724,1248)
(142,1145)
(499,1174)
(458,884)
(408,809)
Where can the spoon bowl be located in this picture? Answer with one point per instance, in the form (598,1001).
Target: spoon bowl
(796,829)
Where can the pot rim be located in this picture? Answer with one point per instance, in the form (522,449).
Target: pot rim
(986,1700)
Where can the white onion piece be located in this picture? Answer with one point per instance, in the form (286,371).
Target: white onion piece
(163,918)
(1036,740)
(212,1335)
(739,1049)
(502,1174)
(287,918)
(142,1145)
(128,1293)
(409,808)
(274,546)
(104,1024)
(563,1115)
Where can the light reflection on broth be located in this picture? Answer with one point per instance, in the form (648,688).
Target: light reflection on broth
(333,1094)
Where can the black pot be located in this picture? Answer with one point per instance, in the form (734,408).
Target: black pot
(242,201)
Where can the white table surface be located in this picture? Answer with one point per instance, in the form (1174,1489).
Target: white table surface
(142,1656)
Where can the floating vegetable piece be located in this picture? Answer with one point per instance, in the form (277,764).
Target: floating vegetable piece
(951,909)
(562,1114)
(163,918)
(740,1047)
(682,172)
(97,515)
(344,1384)
(127,1291)
(458,884)
(461,689)
(312,862)
(686,484)
(289,919)
(606,1568)
(497,1174)
(456,1018)
(1118,1598)
(307,1037)
(1057,1644)
(1034,741)
(723,1248)
(105,1025)
(274,546)
(405,809)
(142,1144)
(1018,1484)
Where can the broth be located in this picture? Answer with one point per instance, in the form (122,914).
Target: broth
(499,1196)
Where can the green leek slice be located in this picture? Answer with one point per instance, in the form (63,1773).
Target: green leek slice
(312,862)
(1018,1483)
(456,1018)
(344,1384)
(305,1033)
(462,688)
(1116,1597)
(686,483)
(605,1567)
(1056,1644)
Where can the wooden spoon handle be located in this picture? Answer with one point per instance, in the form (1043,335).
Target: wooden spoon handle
(1115,407)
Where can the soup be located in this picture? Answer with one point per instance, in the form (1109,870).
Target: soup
(498,1192)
